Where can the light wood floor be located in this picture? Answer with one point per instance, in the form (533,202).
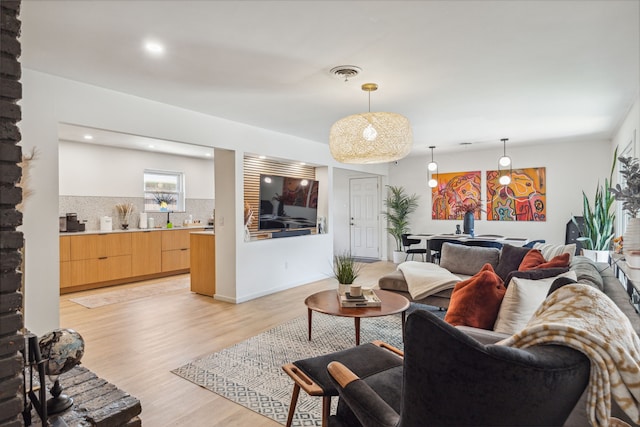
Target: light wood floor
(136,344)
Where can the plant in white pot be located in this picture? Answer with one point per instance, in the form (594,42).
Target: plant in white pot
(345,270)
(597,230)
(629,195)
(399,206)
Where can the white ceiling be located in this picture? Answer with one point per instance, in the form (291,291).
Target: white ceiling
(74,133)
(461,71)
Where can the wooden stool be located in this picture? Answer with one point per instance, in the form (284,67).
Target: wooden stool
(311,374)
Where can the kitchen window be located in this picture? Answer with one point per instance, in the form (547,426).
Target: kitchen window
(163,191)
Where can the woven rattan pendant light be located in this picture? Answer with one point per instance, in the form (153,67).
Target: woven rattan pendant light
(370,137)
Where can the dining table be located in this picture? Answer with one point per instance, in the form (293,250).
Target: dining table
(513,241)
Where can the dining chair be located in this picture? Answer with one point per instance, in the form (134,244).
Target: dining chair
(407,243)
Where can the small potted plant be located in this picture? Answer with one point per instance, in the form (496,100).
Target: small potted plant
(629,195)
(345,270)
(399,206)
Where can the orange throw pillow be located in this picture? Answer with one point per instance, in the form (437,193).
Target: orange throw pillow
(476,301)
(534,260)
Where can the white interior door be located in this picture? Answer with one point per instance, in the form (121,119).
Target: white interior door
(364,222)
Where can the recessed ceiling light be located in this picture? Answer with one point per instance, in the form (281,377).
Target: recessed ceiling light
(88,137)
(207,154)
(302,163)
(152,146)
(154,47)
(262,157)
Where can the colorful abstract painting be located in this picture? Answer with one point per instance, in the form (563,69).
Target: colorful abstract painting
(524,199)
(453,190)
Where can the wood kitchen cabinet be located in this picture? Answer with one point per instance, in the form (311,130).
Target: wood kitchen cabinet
(175,249)
(100,258)
(65,261)
(100,245)
(203,263)
(146,253)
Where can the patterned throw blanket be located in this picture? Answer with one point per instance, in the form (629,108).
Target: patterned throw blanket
(425,278)
(583,318)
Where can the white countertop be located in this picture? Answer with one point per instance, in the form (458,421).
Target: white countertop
(196,228)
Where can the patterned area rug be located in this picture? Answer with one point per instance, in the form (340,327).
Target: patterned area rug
(129,294)
(250,374)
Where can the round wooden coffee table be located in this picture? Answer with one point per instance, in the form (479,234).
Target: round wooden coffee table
(327,302)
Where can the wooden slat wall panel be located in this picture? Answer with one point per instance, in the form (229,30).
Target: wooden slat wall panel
(253,167)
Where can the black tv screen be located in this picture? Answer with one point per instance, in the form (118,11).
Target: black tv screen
(287,202)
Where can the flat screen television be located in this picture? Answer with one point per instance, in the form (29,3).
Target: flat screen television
(287,202)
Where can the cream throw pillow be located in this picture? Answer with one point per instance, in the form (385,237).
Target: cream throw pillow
(550,251)
(522,299)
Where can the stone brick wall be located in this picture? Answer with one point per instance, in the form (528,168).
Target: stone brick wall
(11,241)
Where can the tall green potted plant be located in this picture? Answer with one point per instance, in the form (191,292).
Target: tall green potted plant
(399,206)
(597,231)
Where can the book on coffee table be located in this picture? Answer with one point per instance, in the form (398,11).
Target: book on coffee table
(367,299)
(350,297)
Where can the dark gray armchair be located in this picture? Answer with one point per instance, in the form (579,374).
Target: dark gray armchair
(448,378)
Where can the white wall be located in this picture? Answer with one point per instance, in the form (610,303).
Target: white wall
(340,220)
(629,129)
(49,100)
(39,129)
(225,224)
(628,135)
(322,175)
(570,167)
(98,170)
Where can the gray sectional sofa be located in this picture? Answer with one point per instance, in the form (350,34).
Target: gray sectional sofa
(461,260)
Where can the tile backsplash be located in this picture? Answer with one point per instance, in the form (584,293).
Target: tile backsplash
(90,209)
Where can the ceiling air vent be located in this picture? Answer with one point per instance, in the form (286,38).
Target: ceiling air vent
(345,72)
